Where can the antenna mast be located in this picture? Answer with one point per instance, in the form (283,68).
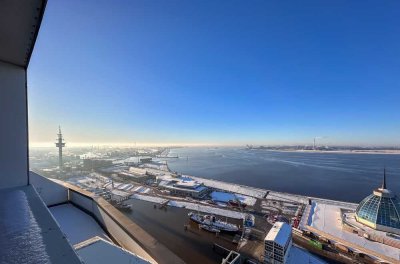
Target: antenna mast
(60,144)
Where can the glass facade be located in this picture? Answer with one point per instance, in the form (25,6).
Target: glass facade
(388,213)
(380,210)
(368,208)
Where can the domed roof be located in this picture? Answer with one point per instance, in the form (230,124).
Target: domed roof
(380,210)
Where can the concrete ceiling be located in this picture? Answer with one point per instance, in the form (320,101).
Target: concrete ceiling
(19,24)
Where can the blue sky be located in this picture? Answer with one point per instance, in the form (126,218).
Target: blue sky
(217,72)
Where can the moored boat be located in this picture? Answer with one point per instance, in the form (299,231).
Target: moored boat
(209,228)
(212,221)
(123,206)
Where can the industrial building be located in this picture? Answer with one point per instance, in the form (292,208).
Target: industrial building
(185,187)
(93,163)
(278,243)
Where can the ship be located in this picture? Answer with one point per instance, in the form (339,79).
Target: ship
(123,206)
(209,228)
(213,222)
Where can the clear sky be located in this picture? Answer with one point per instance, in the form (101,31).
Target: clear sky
(217,72)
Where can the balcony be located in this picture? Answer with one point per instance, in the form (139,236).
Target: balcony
(88,221)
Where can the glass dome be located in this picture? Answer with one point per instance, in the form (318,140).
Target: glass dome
(380,210)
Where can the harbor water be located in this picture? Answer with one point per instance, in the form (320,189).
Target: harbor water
(339,176)
(192,245)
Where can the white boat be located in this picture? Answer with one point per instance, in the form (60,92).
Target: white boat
(209,228)
(212,221)
(123,206)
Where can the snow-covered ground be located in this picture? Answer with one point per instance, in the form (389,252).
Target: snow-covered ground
(294,198)
(152,199)
(327,218)
(191,206)
(231,187)
(286,197)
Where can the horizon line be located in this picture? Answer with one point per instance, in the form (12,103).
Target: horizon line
(185,144)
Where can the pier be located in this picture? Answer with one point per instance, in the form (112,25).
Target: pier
(164,204)
(234,202)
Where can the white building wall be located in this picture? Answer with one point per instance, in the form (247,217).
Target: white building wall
(50,192)
(81,200)
(13,126)
(110,225)
(120,235)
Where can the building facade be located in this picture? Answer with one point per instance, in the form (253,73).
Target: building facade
(277,243)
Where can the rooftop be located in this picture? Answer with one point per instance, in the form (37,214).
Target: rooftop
(279,233)
(100,251)
(182,183)
(298,255)
(327,218)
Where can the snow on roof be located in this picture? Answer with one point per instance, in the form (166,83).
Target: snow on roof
(279,233)
(231,187)
(186,178)
(298,255)
(294,198)
(187,184)
(132,175)
(76,224)
(181,183)
(327,218)
(139,171)
(226,197)
(191,206)
(90,155)
(148,198)
(222,196)
(141,189)
(99,251)
(163,183)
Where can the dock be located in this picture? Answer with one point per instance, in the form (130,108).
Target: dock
(163,204)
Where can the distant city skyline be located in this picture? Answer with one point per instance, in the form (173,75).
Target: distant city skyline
(216,73)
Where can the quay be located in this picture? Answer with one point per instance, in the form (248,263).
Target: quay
(254,210)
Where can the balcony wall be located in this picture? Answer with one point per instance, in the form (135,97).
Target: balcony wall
(50,192)
(111,220)
(13,121)
(118,226)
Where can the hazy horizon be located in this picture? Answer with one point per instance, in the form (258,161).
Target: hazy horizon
(177,145)
(216,73)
